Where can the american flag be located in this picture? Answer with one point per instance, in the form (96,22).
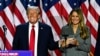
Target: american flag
(7,20)
(53,12)
(93,22)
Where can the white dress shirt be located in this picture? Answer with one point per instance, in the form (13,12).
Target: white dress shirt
(36,28)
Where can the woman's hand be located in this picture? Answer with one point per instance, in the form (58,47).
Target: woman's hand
(74,42)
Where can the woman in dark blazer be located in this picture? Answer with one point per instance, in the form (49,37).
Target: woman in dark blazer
(77,35)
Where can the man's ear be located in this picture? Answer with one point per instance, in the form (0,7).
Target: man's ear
(38,16)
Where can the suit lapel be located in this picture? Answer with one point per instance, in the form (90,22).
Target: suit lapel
(39,37)
(40,31)
(70,30)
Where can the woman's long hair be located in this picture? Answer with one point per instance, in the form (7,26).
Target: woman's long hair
(82,26)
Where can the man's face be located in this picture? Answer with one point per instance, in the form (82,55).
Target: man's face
(33,15)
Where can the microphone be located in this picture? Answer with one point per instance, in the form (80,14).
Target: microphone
(4,28)
(65,36)
(5,31)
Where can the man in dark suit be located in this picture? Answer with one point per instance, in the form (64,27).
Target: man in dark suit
(43,34)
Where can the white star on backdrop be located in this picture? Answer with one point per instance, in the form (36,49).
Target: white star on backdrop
(75,4)
(46,4)
(0,4)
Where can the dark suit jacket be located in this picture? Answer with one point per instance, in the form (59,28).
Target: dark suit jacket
(45,39)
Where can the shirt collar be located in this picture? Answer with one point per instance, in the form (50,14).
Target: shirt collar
(36,24)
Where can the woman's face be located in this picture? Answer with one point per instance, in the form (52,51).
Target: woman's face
(75,18)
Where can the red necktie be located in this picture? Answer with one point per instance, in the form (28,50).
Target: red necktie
(32,39)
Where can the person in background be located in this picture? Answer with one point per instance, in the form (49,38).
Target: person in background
(43,35)
(77,35)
